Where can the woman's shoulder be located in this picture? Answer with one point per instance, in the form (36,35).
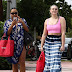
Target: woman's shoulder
(8,21)
(23,19)
(62,21)
(62,18)
(46,19)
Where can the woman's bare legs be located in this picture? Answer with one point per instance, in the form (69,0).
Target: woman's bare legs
(15,67)
(22,60)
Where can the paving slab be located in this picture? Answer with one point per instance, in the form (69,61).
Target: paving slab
(66,66)
(31,66)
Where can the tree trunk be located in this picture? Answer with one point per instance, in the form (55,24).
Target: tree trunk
(35,34)
(35,42)
(1,11)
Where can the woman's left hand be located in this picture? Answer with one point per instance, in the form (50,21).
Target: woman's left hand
(62,48)
(19,19)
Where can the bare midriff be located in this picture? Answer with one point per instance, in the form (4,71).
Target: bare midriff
(54,33)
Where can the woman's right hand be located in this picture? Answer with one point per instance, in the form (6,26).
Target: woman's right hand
(14,22)
(41,49)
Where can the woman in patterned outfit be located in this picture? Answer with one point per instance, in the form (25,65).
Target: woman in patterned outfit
(16,29)
(54,38)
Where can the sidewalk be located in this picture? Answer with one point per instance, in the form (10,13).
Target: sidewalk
(31,66)
(66,66)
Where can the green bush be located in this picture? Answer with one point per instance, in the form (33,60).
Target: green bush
(1,28)
(4,64)
(69,33)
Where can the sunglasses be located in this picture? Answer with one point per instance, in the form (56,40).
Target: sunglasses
(14,13)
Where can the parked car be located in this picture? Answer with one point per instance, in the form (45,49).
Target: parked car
(32,51)
(67,53)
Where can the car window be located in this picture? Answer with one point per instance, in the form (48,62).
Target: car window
(67,40)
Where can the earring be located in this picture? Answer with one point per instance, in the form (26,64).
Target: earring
(10,16)
(57,14)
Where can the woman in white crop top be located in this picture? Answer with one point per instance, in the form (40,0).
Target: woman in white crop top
(54,41)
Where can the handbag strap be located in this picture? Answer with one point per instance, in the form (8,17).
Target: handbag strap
(9,37)
(4,35)
(41,56)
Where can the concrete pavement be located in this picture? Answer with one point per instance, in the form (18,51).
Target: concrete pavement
(66,66)
(31,66)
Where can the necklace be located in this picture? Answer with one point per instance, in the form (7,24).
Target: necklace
(53,22)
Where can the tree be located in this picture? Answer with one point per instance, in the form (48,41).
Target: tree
(17,1)
(50,2)
(33,11)
(36,11)
(1,11)
(1,28)
(69,33)
(65,11)
(4,9)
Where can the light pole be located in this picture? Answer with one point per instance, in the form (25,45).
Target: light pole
(43,0)
(35,42)
(8,9)
(13,4)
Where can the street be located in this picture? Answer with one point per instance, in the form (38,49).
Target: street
(66,66)
(31,66)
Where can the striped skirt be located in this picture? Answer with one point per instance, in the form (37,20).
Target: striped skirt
(52,54)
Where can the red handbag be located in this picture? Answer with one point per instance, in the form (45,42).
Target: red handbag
(40,63)
(6,47)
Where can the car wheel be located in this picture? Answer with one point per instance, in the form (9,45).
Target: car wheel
(69,52)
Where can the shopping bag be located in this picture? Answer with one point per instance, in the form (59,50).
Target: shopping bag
(40,63)
(6,46)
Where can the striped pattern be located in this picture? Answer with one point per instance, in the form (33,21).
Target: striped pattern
(52,54)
